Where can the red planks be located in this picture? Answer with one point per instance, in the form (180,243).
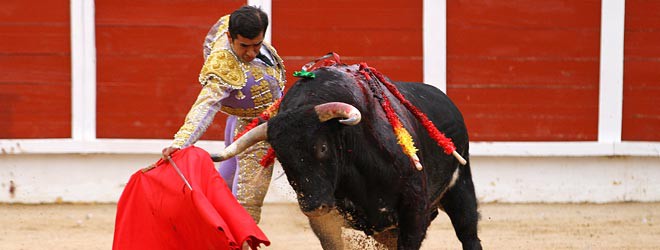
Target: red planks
(35,110)
(149,54)
(35,70)
(35,38)
(385,34)
(641,112)
(525,70)
(55,12)
(560,121)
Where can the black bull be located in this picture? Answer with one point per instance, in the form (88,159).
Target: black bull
(360,170)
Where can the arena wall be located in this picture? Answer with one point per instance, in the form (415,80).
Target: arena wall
(559,95)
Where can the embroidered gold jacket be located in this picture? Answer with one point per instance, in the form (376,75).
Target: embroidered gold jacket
(230,85)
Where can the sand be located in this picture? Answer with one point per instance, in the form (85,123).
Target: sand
(502,226)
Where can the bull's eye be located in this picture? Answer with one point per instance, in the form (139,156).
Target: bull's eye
(321,149)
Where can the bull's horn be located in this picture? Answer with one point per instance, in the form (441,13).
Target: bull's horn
(257,134)
(331,110)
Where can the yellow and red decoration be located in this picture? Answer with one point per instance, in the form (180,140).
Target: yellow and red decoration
(404,139)
(271,111)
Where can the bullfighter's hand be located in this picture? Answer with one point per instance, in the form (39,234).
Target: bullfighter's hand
(150,167)
(168,151)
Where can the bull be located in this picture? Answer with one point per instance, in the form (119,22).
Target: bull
(341,157)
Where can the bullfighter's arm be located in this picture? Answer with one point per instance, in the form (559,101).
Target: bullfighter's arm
(200,115)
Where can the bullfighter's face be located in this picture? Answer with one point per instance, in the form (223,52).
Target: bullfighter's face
(246,49)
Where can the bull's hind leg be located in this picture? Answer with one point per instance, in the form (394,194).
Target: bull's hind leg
(460,203)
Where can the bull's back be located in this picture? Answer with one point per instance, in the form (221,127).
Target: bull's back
(448,120)
(437,107)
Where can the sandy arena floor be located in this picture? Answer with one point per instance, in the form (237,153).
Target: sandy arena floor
(503,226)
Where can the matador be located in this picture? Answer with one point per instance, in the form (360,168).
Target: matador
(242,76)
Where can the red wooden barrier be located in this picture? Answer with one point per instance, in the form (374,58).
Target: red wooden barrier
(385,34)
(149,54)
(641,111)
(35,69)
(525,70)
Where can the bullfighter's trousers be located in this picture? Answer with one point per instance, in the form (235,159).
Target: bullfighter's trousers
(247,179)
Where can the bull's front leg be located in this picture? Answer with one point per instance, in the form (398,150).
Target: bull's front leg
(412,230)
(414,220)
(388,238)
(328,229)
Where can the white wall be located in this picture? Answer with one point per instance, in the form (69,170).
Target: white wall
(566,179)
(101,178)
(506,172)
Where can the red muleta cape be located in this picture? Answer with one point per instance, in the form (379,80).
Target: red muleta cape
(158,211)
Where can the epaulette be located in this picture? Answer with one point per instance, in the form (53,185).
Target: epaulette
(224,68)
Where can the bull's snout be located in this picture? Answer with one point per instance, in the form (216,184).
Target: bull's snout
(321,210)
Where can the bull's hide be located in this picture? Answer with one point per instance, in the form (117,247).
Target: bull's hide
(361,169)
